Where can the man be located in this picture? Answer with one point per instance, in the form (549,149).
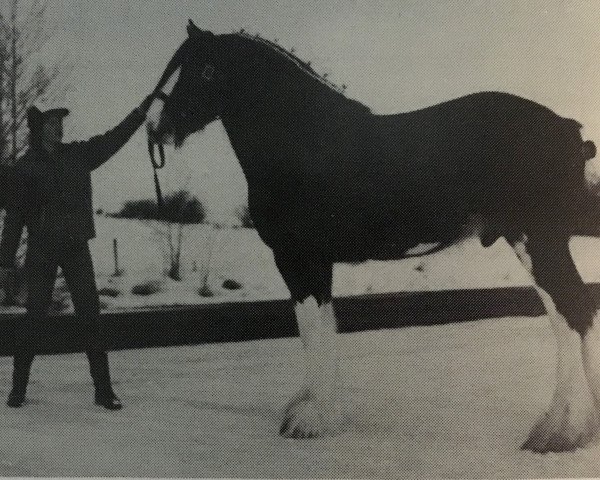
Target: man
(52,197)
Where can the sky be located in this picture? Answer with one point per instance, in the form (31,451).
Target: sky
(394,56)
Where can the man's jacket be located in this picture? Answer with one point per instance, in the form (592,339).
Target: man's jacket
(51,194)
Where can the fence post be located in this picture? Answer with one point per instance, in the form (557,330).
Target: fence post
(116,257)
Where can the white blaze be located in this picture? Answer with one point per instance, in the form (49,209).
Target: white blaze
(155,110)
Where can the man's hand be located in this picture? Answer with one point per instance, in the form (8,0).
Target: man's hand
(7,276)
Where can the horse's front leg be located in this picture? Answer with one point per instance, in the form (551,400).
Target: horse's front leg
(314,411)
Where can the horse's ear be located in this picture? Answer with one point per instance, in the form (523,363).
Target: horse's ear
(194,31)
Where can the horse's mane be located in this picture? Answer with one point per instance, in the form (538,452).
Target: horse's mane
(304,67)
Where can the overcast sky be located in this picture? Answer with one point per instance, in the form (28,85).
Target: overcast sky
(394,56)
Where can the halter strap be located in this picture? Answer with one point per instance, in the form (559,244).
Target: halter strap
(160,95)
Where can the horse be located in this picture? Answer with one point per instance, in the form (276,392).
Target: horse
(329,181)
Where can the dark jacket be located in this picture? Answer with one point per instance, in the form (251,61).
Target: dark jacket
(51,194)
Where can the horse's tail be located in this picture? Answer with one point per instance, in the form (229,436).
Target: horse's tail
(588,150)
(587,221)
(578,148)
(581,183)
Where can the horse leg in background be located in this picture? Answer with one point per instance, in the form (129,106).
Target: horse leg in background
(571,421)
(314,411)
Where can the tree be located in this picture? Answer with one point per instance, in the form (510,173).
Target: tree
(180,210)
(24,75)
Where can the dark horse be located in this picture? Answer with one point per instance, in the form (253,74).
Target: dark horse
(329,181)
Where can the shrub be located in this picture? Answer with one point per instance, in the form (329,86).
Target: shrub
(147,288)
(179,210)
(231,285)
(144,209)
(109,292)
(179,207)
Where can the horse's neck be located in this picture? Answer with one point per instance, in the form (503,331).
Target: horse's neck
(268,87)
(273,112)
(248,143)
(264,116)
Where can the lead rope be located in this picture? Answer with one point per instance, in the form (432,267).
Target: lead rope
(155,167)
(158,93)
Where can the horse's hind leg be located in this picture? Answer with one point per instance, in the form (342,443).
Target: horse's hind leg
(314,410)
(571,421)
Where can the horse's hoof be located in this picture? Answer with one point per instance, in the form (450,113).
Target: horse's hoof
(302,419)
(561,432)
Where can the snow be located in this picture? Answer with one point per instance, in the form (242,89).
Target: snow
(446,401)
(239,254)
(450,401)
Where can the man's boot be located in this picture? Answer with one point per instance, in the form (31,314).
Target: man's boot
(104,394)
(20,378)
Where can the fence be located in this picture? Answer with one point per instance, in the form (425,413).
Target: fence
(238,321)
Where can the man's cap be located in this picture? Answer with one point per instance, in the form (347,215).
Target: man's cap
(36,116)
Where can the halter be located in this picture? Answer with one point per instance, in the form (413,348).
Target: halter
(208,73)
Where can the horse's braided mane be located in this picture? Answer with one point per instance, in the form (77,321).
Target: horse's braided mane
(304,66)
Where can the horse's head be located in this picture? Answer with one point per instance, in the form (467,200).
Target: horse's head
(195,83)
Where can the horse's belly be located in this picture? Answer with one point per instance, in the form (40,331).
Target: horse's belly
(383,251)
(400,238)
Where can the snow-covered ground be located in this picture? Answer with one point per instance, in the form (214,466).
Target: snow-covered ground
(239,254)
(445,401)
(448,401)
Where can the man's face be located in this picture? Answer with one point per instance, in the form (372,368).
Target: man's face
(52,130)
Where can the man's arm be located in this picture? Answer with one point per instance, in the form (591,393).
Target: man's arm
(99,149)
(14,221)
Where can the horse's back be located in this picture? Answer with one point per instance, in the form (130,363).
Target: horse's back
(420,176)
(482,106)
(376,185)
(465,146)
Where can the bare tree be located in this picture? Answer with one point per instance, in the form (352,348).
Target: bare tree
(179,211)
(24,75)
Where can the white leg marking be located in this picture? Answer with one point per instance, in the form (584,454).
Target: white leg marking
(314,411)
(520,249)
(591,358)
(571,421)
